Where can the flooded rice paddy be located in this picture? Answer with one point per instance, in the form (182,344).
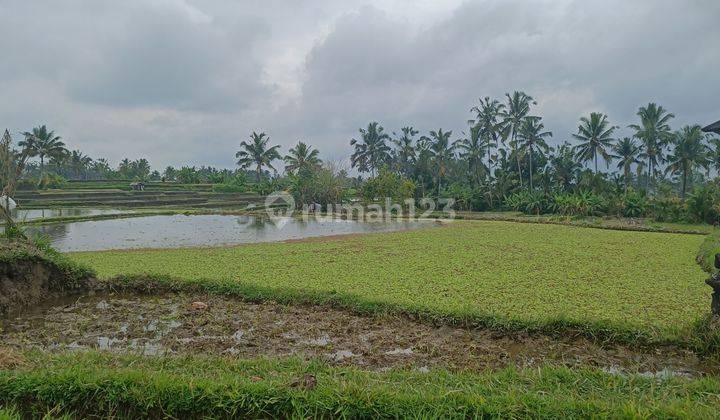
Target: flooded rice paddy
(182,324)
(175,231)
(36,214)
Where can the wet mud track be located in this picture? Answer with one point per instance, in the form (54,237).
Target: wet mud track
(215,325)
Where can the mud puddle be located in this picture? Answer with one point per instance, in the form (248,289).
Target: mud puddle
(215,325)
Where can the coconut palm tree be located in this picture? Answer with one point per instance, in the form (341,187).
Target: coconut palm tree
(257,153)
(300,157)
(627,152)
(564,166)
(518,108)
(654,132)
(689,151)
(44,144)
(404,152)
(442,151)
(473,150)
(492,127)
(372,151)
(595,135)
(78,163)
(715,153)
(531,139)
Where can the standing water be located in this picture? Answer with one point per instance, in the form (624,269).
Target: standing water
(201,230)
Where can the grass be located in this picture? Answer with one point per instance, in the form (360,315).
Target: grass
(626,286)
(105,385)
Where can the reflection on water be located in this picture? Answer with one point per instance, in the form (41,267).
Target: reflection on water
(200,230)
(33,214)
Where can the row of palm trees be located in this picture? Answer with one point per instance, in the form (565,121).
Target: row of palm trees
(503,132)
(258,154)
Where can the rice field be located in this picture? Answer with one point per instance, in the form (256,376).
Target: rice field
(509,274)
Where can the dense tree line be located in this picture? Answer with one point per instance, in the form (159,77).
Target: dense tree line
(504,159)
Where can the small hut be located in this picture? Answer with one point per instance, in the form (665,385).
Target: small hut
(713,128)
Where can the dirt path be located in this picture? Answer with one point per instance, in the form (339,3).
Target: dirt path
(168,324)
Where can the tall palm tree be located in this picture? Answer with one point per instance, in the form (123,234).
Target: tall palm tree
(78,162)
(257,153)
(654,132)
(564,166)
(488,119)
(595,135)
(372,151)
(531,139)
(715,153)
(473,150)
(44,144)
(404,152)
(627,152)
(689,152)
(518,107)
(300,157)
(442,151)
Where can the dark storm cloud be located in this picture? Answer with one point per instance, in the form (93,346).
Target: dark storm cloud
(574,57)
(187,80)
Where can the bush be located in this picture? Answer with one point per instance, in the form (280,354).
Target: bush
(583,203)
(236,184)
(529,202)
(703,205)
(53,181)
(630,204)
(388,185)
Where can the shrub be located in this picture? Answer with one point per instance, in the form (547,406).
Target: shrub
(703,205)
(583,203)
(668,209)
(630,204)
(388,184)
(238,183)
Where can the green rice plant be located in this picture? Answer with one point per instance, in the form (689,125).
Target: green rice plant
(618,285)
(105,385)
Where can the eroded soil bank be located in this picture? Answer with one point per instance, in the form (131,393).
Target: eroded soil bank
(176,324)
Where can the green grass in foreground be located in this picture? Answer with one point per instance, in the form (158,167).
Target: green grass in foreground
(502,274)
(128,386)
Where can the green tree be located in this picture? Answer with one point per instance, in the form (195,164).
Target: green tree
(404,153)
(300,157)
(257,153)
(627,152)
(44,144)
(371,151)
(595,135)
(492,127)
(442,151)
(564,166)
(688,152)
(654,132)
(78,163)
(531,139)
(517,109)
(472,150)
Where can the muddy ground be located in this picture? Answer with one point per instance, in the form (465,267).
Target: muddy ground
(175,324)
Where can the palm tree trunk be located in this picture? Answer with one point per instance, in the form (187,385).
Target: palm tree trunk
(596,163)
(531,172)
(42,169)
(627,176)
(258,171)
(684,183)
(517,156)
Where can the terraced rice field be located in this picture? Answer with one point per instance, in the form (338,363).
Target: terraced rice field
(502,274)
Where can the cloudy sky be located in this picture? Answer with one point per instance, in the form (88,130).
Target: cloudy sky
(185,81)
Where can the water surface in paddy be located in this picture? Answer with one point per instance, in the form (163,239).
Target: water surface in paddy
(201,230)
(35,214)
